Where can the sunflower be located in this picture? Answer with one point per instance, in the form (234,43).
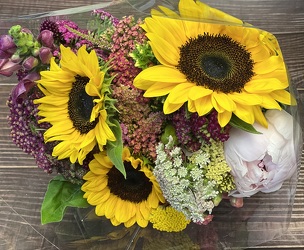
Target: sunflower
(122,200)
(211,60)
(74,104)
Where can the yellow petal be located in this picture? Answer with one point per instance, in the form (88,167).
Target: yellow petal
(121,213)
(104,131)
(222,102)
(168,12)
(283,96)
(130,222)
(245,113)
(245,98)
(190,10)
(264,85)
(269,103)
(145,211)
(160,89)
(224,118)
(114,221)
(139,219)
(110,206)
(100,209)
(269,65)
(259,116)
(203,105)
(161,74)
(170,108)
(179,94)
(198,92)
(103,160)
(163,50)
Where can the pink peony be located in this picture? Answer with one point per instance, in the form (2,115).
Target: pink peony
(262,162)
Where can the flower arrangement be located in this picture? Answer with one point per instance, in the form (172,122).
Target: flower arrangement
(154,120)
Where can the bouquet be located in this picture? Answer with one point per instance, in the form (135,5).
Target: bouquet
(152,121)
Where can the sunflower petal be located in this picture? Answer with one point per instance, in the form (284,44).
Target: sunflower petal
(283,96)
(161,47)
(245,113)
(268,85)
(259,116)
(269,65)
(197,92)
(158,74)
(170,108)
(179,94)
(203,105)
(222,102)
(224,118)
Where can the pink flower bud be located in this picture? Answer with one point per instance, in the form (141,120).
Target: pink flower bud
(16,58)
(236,202)
(30,63)
(46,38)
(45,55)
(7,67)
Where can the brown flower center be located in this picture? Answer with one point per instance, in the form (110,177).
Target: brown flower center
(135,188)
(80,106)
(216,62)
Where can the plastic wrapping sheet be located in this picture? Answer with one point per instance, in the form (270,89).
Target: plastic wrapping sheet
(264,216)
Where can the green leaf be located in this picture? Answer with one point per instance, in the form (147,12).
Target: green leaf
(115,148)
(238,123)
(60,194)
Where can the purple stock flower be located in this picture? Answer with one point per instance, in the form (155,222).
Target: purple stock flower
(24,86)
(45,55)
(46,38)
(7,67)
(7,46)
(29,63)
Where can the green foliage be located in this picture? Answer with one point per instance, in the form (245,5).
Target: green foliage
(60,194)
(238,123)
(115,148)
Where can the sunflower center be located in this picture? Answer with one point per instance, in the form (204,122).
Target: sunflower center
(135,188)
(80,106)
(216,62)
(215,66)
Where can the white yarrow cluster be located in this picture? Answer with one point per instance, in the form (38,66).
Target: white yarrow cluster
(182,180)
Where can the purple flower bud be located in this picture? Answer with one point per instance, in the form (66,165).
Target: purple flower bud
(7,67)
(45,55)
(46,38)
(7,46)
(24,86)
(30,63)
